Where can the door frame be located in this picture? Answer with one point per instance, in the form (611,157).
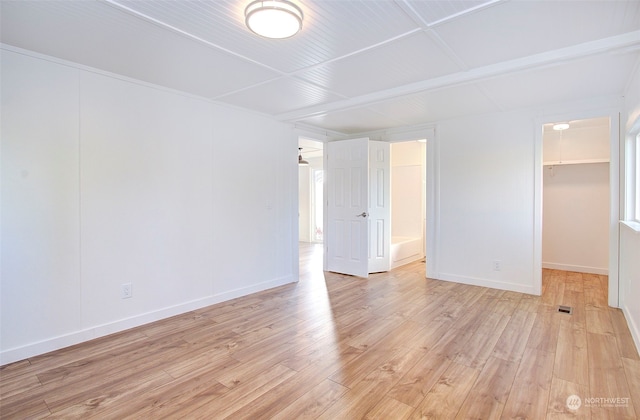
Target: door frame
(615,195)
(432,211)
(432,193)
(299,133)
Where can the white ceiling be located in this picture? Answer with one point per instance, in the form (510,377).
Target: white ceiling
(356,66)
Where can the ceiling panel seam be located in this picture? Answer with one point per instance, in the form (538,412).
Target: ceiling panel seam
(191,36)
(355,52)
(465,12)
(447,49)
(417,16)
(248,87)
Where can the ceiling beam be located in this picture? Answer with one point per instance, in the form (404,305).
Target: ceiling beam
(620,43)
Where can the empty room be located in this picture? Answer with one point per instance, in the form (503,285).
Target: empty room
(319,209)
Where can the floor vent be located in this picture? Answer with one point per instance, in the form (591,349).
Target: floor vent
(565,309)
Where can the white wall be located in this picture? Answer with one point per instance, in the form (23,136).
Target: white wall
(106,181)
(589,143)
(630,234)
(486,180)
(407,192)
(485,201)
(40,281)
(576,218)
(630,278)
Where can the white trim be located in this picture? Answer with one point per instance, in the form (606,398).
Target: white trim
(633,226)
(574,162)
(432,210)
(631,178)
(34,349)
(315,133)
(537,207)
(576,268)
(524,64)
(292,164)
(402,134)
(615,196)
(634,329)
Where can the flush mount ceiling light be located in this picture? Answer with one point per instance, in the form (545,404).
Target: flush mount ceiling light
(560,126)
(273,18)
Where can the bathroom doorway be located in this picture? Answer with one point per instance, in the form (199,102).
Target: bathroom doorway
(408,202)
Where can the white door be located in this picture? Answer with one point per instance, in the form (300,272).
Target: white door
(347,233)
(379,206)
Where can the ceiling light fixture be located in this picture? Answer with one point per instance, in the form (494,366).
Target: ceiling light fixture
(560,126)
(301,161)
(273,18)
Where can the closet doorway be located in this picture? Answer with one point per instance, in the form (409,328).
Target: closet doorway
(576,193)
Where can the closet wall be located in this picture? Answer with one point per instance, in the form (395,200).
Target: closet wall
(576,197)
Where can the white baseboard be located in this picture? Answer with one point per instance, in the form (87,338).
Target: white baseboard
(634,328)
(493,284)
(576,268)
(55,343)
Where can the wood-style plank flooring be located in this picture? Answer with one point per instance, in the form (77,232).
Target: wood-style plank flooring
(394,346)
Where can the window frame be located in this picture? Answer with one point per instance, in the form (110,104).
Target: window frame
(636,170)
(632,178)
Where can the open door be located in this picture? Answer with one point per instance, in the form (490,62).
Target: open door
(347,233)
(379,206)
(358,235)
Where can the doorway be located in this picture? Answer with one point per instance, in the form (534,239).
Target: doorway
(310,191)
(408,202)
(376,203)
(576,191)
(552,165)
(423,137)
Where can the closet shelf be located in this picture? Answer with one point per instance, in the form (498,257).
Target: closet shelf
(574,162)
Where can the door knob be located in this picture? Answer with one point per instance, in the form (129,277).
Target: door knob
(363,214)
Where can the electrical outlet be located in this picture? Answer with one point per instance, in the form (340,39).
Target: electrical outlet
(497,265)
(126,290)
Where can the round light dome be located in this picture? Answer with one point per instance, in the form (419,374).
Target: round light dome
(273,18)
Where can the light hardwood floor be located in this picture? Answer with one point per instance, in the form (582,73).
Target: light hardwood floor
(394,346)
